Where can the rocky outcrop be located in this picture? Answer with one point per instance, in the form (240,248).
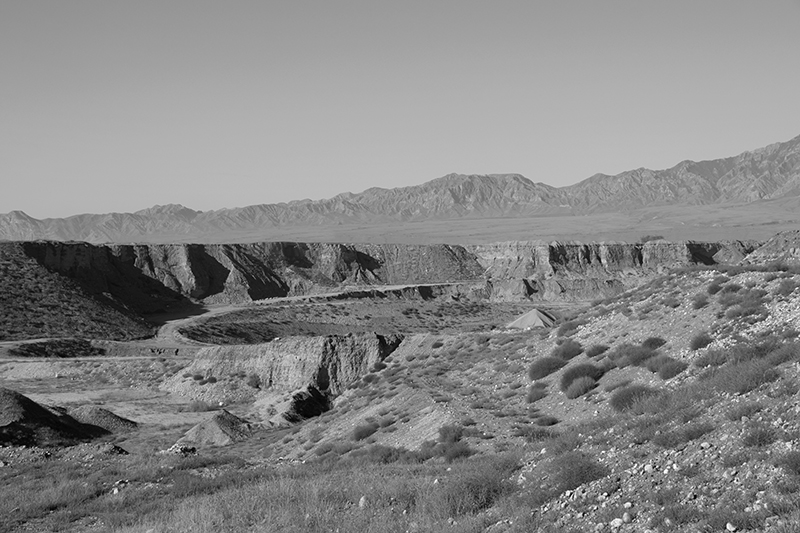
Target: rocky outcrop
(296,377)
(783,248)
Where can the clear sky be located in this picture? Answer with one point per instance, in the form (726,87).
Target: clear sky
(113,105)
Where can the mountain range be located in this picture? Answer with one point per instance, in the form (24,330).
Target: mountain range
(768,173)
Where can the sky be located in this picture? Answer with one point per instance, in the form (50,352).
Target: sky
(116,106)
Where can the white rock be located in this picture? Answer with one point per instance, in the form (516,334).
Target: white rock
(616,523)
(730,527)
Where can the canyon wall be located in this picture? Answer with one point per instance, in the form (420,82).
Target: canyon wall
(150,278)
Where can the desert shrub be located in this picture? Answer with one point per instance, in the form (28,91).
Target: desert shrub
(626,397)
(759,435)
(653,342)
(546,421)
(738,412)
(647,238)
(456,450)
(611,387)
(718,518)
(437,344)
(689,432)
(596,350)
(253,381)
(784,354)
(365,430)
(700,340)
(378,366)
(786,287)
(534,394)
(579,387)
(790,462)
(532,433)
(679,514)
(450,433)
(379,454)
(567,349)
(751,351)
(671,368)
(475,487)
(573,469)
(197,377)
(578,371)
(711,358)
(568,328)
(631,354)
(544,366)
(742,377)
(671,301)
(729,288)
(716,284)
(699,301)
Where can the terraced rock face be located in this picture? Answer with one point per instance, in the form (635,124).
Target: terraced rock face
(152,278)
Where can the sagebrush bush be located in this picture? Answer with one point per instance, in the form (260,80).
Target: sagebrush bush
(671,369)
(253,381)
(573,469)
(363,431)
(534,394)
(450,433)
(471,490)
(546,421)
(699,301)
(579,387)
(626,397)
(456,450)
(678,436)
(567,349)
(759,435)
(578,371)
(700,340)
(790,462)
(653,342)
(631,355)
(711,358)
(741,378)
(568,328)
(544,366)
(786,287)
(734,414)
(596,350)
(532,433)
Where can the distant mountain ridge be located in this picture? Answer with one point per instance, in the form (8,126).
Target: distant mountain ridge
(767,173)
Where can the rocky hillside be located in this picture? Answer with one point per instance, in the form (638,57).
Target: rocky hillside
(768,173)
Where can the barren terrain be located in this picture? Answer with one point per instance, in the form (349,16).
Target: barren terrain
(667,404)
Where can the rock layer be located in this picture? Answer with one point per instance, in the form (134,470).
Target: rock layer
(151,278)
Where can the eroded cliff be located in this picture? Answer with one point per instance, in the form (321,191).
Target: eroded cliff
(151,278)
(292,378)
